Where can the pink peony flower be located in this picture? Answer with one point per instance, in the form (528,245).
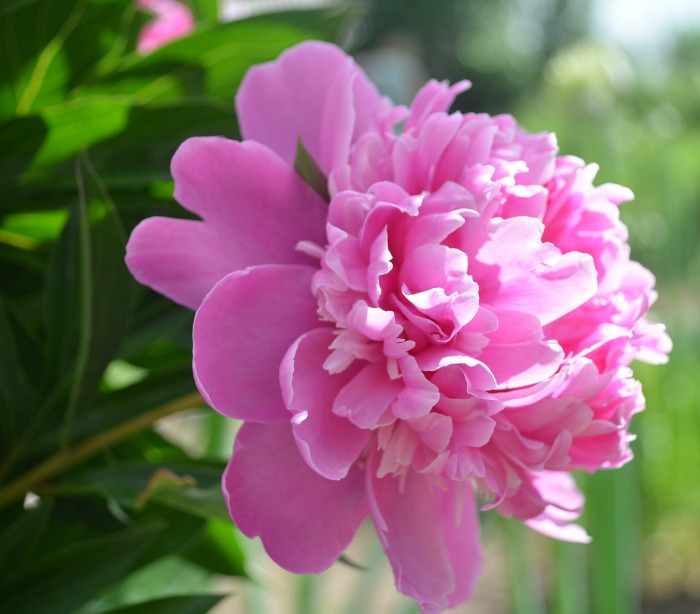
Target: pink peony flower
(173,20)
(456,323)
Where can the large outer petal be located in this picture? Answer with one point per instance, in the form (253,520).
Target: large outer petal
(255,210)
(330,444)
(314,92)
(181,259)
(305,521)
(241,333)
(430,533)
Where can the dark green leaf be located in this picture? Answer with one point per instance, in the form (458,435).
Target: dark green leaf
(126,482)
(88,292)
(194,604)
(17,398)
(12,5)
(309,171)
(202,502)
(71,575)
(18,541)
(20,139)
(345,560)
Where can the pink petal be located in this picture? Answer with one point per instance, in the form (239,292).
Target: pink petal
(173,20)
(434,97)
(181,259)
(523,274)
(418,396)
(365,398)
(241,333)
(430,533)
(304,521)
(517,353)
(329,444)
(564,505)
(314,92)
(260,208)
(256,210)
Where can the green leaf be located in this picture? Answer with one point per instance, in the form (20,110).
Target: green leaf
(31,58)
(17,398)
(180,493)
(19,541)
(110,410)
(141,153)
(69,576)
(12,5)
(126,482)
(209,62)
(309,171)
(37,226)
(168,576)
(53,45)
(88,293)
(526,597)
(217,549)
(20,140)
(76,125)
(192,604)
(612,514)
(205,10)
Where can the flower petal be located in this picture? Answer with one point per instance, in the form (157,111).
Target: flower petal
(255,209)
(367,396)
(304,521)
(256,204)
(517,272)
(241,333)
(181,259)
(329,444)
(306,94)
(564,505)
(518,353)
(429,533)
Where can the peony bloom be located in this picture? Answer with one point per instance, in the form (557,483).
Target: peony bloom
(451,327)
(173,20)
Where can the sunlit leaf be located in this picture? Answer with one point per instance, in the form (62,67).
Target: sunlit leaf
(74,126)
(217,549)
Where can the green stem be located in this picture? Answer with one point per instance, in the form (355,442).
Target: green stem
(65,459)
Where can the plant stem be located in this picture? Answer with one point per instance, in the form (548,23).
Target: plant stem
(65,459)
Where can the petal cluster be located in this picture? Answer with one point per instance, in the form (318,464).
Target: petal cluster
(453,329)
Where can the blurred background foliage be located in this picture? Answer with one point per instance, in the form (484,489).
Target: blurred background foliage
(109,464)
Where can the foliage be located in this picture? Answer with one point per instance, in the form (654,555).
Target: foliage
(90,360)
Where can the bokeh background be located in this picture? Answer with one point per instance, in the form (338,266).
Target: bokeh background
(109,496)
